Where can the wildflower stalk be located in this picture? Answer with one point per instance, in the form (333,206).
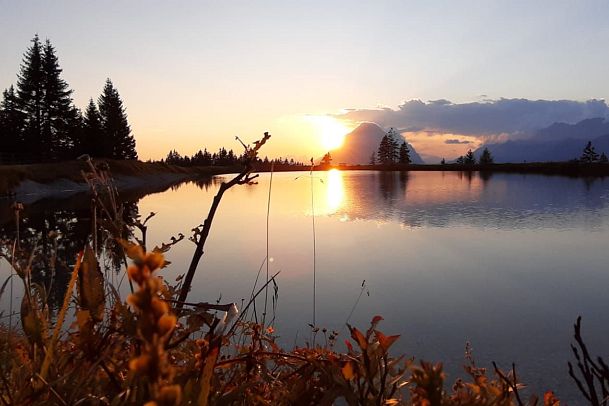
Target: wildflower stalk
(155,323)
(60,318)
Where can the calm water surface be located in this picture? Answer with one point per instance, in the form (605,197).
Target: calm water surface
(505,262)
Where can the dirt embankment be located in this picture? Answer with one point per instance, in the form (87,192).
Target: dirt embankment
(61,177)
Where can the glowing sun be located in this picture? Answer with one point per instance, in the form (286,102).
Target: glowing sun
(330,131)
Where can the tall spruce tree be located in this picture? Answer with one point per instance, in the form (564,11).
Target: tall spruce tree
(486,158)
(50,120)
(93,141)
(469,158)
(388,148)
(11,127)
(115,127)
(404,156)
(394,145)
(383,151)
(589,155)
(30,93)
(60,120)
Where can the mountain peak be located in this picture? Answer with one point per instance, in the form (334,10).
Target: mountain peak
(363,142)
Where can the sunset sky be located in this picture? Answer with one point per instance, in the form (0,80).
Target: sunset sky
(197,73)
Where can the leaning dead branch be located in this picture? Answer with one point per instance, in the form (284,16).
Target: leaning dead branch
(201,233)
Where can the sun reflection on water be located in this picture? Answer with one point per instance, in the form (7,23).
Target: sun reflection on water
(335,191)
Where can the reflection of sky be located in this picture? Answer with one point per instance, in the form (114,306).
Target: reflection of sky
(506,262)
(502,201)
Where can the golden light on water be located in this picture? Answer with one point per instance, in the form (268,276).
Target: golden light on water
(331,132)
(335,190)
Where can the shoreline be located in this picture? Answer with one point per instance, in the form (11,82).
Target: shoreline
(35,181)
(569,169)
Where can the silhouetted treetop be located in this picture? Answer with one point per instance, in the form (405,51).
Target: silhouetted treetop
(39,122)
(404,155)
(589,155)
(115,127)
(469,158)
(486,158)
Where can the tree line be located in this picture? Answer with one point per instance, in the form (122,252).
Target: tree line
(39,121)
(469,159)
(223,157)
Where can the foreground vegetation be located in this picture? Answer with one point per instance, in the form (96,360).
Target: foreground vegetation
(156,347)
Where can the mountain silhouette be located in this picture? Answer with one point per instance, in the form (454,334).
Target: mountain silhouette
(362,142)
(557,142)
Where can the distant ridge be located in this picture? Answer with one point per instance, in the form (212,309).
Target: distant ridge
(555,143)
(362,142)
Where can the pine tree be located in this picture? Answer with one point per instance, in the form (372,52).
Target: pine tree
(388,148)
(114,124)
(469,158)
(30,93)
(60,120)
(383,151)
(443,161)
(11,127)
(486,158)
(394,145)
(326,160)
(603,159)
(461,160)
(93,141)
(51,123)
(589,155)
(404,157)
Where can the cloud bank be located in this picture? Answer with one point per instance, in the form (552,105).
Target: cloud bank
(455,141)
(480,119)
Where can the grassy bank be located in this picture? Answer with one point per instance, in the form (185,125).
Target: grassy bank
(13,175)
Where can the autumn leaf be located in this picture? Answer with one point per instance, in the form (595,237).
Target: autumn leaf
(91,286)
(347,371)
(385,341)
(206,376)
(358,337)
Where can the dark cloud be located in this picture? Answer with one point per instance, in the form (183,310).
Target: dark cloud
(455,141)
(503,116)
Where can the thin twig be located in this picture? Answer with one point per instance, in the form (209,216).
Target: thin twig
(314,243)
(272,278)
(268,213)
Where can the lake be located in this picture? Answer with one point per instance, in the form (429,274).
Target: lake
(504,261)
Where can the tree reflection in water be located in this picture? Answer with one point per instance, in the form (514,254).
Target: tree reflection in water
(57,229)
